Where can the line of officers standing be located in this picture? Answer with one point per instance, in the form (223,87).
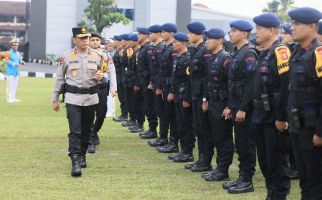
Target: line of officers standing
(269,97)
(200,92)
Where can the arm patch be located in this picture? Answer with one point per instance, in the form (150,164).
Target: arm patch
(283,56)
(318,63)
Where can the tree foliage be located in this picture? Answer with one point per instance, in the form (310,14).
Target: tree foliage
(280,8)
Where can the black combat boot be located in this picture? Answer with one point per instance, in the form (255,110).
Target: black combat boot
(149,135)
(82,161)
(121,118)
(138,129)
(190,165)
(76,166)
(183,158)
(91,148)
(128,123)
(230,184)
(158,142)
(171,147)
(220,175)
(243,186)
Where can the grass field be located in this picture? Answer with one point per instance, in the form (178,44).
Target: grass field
(34,162)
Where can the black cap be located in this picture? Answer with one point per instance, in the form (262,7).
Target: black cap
(80,32)
(96,35)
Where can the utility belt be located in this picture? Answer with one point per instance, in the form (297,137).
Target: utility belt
(217,94)
(308,115)
(196,87)
(308,89)
(76,90)
(264,103)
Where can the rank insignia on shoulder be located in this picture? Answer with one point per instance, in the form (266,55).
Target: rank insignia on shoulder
(318,63)
(283,56)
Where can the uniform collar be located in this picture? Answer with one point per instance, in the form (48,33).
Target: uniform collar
(307,48)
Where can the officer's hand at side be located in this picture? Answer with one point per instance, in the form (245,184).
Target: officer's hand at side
(317,141)
(113,93)
(281,126)
(227,113)
(205,106)
(158,92)
(170,97)
(150,86)
(136,88)
(185,104)
(240,116)
(99,75)
(56,106)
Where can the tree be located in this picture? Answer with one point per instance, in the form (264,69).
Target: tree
(101,14)
(280,8)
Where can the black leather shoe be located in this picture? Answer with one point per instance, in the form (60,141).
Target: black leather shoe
(190,165)
(220,175)
(292,174)
(241,187)
(83,162)
(172,156)
(183,158)
(133,127)
(208,173)
(120,118)
(230,184)
(169,148)
(91,148)
(149,135)
(76,166)
(201,167)
(128,123)
(158,142)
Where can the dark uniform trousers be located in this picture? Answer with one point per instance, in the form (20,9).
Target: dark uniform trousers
(185,131)
(80,119)
(167,115)
(101,109)
(201,125)
(121,95)
(272,158)
(138,106)
(246,147)
(308,159)
(129,100)
(149,108)
(221,137)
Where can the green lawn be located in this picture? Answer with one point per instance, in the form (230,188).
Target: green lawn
(34,162)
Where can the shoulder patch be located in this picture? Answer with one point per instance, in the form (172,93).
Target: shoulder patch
(318,63)
(283,54)
(207,55)
(149,51)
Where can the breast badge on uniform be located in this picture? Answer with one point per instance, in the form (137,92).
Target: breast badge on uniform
(283,56)
(318,63)
(129,52)
(75,73)
(188,71)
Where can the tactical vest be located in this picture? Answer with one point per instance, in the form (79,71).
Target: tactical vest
(166,62)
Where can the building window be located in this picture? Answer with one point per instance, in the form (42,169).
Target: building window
(6,19)
(21,19)
(129,13)
(6,33)
(20,34)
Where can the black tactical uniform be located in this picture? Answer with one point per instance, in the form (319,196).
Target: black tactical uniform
(305,116)
(200,119)
(118,61)
(216,93)
(270,77)
(143,69)
(241,71)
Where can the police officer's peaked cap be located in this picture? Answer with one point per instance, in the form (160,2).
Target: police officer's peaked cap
(241,25)
(267,20)
(14,41)
(155,29)
(305,15)
(169,27)
(320,28)
(196,27)
(215,33)
(181,37)
(143,30)
(80,32)
(96,35)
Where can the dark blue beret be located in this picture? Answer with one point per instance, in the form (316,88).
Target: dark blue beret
(305,15)
(143,30)
(287,28)
(253,41)
(181,37)
(215,33)
(320,28)
(169,27)
(125,36)
(267,20)
(117,38)
(196,28)
(155,29)
(133,37)
(242,25)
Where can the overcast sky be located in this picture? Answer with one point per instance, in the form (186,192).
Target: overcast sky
(251,8)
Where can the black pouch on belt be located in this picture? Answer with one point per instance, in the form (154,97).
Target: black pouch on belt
(310,114)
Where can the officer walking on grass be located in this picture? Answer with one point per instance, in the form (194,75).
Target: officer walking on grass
(78,77)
